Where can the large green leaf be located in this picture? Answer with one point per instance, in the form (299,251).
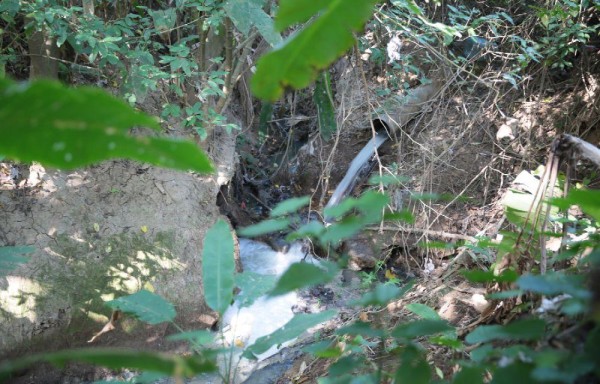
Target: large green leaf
(370,204)
(588,200)
(414,367)
(252,286)
(293,12)
(469,375)
(300,275)
(173,365)
(343,229)
(218,266)
(517,372)
(479,276)
(64,127)
(198,337)
(264,227)
(420,328)
(11,257)
(424,311)
(314,48)
(528,329)
(383,293)
(290,205)
(146,306)
(323,98)
(248,13)
(312,229)
(555,283)
(292,329)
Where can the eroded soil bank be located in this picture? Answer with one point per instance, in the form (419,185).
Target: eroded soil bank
(100,233)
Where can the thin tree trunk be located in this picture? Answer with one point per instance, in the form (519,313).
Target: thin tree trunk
(44,54)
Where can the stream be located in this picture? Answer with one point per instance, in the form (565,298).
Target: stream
(358,164)
(243,325)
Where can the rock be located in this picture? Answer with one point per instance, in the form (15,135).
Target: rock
(506,132)
(361,253)
(102,232)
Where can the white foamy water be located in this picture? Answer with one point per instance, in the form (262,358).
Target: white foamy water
(356,165)
(244,325)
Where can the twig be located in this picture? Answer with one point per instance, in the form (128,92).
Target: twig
(427,232)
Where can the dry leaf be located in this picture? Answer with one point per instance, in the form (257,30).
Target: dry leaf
(390,275)
(364,317)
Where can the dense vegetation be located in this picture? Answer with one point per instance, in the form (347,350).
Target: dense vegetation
(198,54)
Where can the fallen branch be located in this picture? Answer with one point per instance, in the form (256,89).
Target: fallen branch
(577,146)
(427,232)
(114,317)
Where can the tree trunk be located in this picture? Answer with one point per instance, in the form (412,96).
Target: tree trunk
(44,54)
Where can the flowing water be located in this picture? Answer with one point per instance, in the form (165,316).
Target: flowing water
(243,325)
(356,166)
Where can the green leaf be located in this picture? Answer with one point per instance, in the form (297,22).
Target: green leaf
(478,276)
(346,365)
(516,372)
(447,338)
(290,205)
(340,209)
(341,230)
(424,311)
(371,205)
(199,337)
(420,328)
(588,200)
(218,266)
(11,257)
(555,284)
(62,127)
(292,329)
(414,367)
(146,306)
(505,294)
(480,354)
(323,98)
(382,294)
(173,365)
(300,275)
(469,375)
(246,13)
(297,11)
(323,349)
(312,229)
(264,227)
(314,48)
(528,329)
(11,7)
(402,216)
(252,286)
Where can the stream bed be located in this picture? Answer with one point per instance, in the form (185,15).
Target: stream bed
(243,325)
